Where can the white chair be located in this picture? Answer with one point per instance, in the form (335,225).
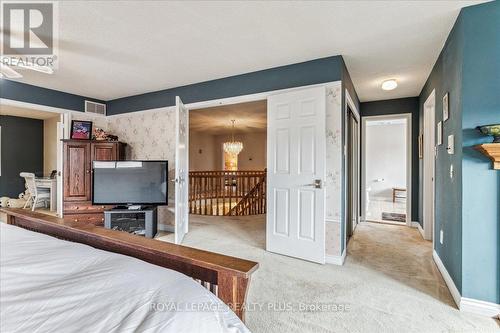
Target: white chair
(35,194)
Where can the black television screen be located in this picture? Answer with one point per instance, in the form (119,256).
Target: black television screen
(130,182)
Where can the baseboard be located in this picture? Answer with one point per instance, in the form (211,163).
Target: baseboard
(166,227)
(479,307)
(447,278)
(419,227)
(336,260)
(414,224)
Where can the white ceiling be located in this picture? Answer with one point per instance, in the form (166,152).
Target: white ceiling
(111,49)
(249,117)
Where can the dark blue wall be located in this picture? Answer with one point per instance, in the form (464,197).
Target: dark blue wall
(22,150)
(468,206)
(481,184)
(295,75)
(446,76)
(37,95)
(397,106)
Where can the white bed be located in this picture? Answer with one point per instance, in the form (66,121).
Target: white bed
(51,285)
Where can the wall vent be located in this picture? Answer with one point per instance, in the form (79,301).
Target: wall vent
(96,108)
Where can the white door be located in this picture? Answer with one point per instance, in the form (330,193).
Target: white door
(181,170)
(295,174)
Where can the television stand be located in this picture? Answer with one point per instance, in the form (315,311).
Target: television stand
(134,221)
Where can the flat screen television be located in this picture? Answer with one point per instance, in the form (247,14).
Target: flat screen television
(130,183)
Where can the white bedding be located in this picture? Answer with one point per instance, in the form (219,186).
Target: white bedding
(51,285)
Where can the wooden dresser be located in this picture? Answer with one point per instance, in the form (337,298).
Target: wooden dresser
(78,156)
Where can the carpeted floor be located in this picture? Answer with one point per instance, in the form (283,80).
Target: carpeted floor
(388,283)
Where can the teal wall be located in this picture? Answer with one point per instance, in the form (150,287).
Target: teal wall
(315,71)
(468,205)
(446,76)
(481,184)
(28,93)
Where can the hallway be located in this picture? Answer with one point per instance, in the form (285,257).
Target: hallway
(389,282)
(401,254)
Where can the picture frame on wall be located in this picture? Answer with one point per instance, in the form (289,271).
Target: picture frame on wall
(81,130)
(439,133)
(421,146)
(446,107)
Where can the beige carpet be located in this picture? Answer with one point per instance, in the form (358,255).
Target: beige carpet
(388,283)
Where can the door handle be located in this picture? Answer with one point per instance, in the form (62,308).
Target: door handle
(316,184)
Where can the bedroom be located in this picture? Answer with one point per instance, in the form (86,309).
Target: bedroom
(318,261)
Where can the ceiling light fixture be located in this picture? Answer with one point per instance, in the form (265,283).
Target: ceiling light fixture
(233,147)
(389,84)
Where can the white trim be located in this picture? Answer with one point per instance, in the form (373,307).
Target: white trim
(419,227)
(65,118)
(482,308)
(166,227)
(126,114)
(429,167)
(231,100)
(465,304)
(447,278)
(255,97)
(348,103)
(335,260)
(38,107)
(407,117)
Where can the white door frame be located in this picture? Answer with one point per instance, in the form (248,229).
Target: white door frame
(407,117)
(65,118)
(264,96)
(429,166)
(181,176)
(349,103)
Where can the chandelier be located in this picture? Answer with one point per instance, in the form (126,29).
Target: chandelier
(233,147)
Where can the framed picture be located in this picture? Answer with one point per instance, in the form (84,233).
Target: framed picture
(446,105)
(421,146)
(81,130)
(440,133)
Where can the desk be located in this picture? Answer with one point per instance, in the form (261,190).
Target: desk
(51,184)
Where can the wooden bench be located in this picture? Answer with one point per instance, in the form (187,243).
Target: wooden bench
(227,277)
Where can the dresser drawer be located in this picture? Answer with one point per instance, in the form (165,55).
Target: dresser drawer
(95,218)
(84,207)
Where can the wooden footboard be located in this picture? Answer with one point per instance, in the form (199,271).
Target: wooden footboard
(227,277)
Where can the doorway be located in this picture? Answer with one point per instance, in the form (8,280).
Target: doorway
(295,137)
(37,131)
(386,160)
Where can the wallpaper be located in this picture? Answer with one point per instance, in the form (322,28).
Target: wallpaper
(333,175)
(150,135)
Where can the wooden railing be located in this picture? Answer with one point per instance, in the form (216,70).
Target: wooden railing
(227,192)
(253,203)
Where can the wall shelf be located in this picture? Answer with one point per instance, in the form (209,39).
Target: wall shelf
(492,150)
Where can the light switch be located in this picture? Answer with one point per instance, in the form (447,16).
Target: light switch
(451,144)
